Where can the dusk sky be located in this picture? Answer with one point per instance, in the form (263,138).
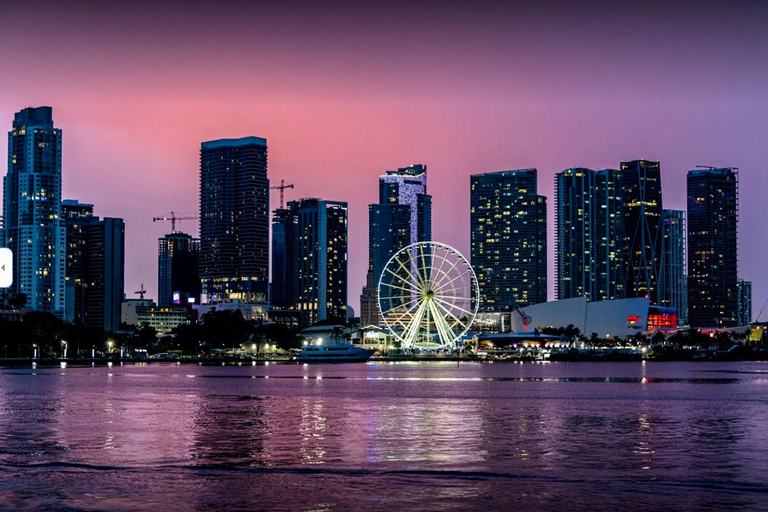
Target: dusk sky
(344,91)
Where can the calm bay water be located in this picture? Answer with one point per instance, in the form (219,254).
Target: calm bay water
(422,436)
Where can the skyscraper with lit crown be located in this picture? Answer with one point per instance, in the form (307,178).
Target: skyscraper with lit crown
(402,216)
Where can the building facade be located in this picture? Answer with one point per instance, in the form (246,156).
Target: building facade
(32,225)
(284,238)
(315,258)
(234,220)
(588,235)
(713,215)
(402,217)
(369,307)
(508,235)
(95,262)
(673,289)
(744,290)
(641,212)
(178,259)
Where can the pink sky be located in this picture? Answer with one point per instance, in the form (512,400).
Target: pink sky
(343,92)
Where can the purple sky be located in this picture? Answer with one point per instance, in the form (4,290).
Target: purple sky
(344,91)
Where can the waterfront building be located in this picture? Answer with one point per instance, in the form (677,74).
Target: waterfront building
(284,238)
(402,217)
(76,217)
(673,290)
(602,319)
(315,259)
(369,308)
(713,214)
(744,290)
(234,220)
(95,262)
(588,235)
(163,319)
(641,212)
(508,225)
(178,280)
(32,225)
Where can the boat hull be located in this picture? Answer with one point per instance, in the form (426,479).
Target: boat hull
(334,355)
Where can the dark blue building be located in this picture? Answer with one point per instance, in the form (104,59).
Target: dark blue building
(713,215)
(234,220)
(508,230)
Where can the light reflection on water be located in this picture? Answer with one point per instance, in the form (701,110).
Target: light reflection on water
(384,436)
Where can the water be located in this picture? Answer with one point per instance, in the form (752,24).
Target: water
(421,436)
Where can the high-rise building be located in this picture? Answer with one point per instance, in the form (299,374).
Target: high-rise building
(95,262)
(234,220)
(76,218)
(178,258)
(402,217)
(33,228)
(744,290)
(314,259)
(508,221)
(641,211)
(588,235)
(673,290)
(284,238)
(713,215)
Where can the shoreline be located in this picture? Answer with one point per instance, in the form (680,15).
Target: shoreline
(90,362)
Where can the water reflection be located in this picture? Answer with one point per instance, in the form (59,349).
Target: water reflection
(414,436)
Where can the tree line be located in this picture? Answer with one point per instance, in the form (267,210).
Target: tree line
(47,336)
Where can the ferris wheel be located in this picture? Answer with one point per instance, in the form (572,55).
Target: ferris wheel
(428,296)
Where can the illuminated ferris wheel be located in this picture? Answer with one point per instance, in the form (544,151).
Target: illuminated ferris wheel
(428,296)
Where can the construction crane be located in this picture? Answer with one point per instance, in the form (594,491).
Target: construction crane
(282,188)
(173,218)
(140,292)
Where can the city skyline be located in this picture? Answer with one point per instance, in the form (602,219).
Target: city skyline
(146,141)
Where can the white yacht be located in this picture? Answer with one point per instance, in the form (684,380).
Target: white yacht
(333,353)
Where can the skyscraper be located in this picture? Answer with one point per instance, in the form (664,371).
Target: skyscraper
(234,220)
(178,258)
(95,262)
(588,235)
(744,315)
(284,290)
(403,216)
(314,259)
(713,214)
(508,224)
(673,290)
(76,218)
(32,228)
(641,210)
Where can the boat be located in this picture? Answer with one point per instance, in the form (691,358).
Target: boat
(334,353)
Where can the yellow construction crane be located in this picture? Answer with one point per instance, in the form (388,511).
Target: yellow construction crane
(140,292)
(282,188)
(173,218)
